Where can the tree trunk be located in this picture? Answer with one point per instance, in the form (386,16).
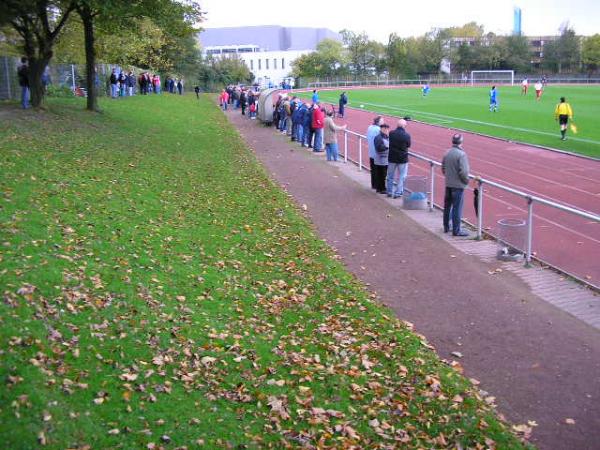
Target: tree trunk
(90,57)
(36,70)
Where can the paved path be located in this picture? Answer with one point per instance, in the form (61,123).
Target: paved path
(539,362)
(561,239)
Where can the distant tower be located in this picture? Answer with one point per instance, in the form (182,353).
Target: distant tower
(517,22)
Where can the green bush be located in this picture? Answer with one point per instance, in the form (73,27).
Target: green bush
(58,91)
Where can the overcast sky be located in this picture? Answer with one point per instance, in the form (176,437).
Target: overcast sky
(407,18)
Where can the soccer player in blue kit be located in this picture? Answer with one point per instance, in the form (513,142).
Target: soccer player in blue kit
(493,99)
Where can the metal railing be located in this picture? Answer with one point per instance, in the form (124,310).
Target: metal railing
(530,199)
(455,81)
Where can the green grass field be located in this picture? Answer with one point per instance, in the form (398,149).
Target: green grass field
(160,291)
(520,118)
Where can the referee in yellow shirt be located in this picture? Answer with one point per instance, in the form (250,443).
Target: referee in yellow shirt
(563,113)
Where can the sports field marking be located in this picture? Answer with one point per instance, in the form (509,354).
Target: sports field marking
(524,211)
(478,122)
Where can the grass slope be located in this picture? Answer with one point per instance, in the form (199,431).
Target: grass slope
(520,118)
(160,291)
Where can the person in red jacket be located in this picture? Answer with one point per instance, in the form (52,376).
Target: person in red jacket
(318,123)
(223,99)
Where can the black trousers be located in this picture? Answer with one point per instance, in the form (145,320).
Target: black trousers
(373,175)
(380,176)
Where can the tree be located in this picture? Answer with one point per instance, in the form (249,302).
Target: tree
(590,52)
(396,56)
(38,23)
(563,53)
(518,55)
(468,30)
(330,59)
(218,72)
(175,19)
(363,53)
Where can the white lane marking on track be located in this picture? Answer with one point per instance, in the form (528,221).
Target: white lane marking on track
(536,216)
(479,122)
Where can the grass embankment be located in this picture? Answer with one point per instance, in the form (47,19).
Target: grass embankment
(520,118)
(160,290)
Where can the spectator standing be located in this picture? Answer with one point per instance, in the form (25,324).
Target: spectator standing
(180,86)
(382,148)
(122,84)
(372,132)
(46,80)
(307,130)
(130,82)
(23,76)
(398,159)
(224,99)
(318,123)
(289,106)
(300,115)
(114,84)
(315,97)
(330,134)
(156,81)
(455,167)
(243,100)
(342,104)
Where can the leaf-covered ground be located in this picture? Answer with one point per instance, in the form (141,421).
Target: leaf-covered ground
(160,291)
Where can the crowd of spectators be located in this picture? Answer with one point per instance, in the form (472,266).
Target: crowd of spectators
(240,97)
(127,84)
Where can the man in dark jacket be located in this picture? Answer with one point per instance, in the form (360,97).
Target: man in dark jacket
(307,126)
(23,75)
(382,147)
(114,84)
(342,104)
(243,100)
(398,159)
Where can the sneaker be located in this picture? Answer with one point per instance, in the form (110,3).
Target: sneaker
(461,233)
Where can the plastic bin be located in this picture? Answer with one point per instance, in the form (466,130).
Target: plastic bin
(512,234)
(415,192)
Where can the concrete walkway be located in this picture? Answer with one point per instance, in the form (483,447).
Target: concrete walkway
(540,363)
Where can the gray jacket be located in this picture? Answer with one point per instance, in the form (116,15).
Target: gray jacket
(455,167)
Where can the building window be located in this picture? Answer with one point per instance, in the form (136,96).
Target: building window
(275,63)
(251,64)
(259,64)
(267,63)
(283,63)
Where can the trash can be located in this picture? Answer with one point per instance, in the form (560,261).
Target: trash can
(415,192)
(512,234)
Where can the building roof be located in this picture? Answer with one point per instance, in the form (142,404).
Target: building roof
(268,37)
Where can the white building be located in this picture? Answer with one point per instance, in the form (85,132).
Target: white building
(272,51)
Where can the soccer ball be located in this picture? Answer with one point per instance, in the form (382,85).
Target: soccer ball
(362,106)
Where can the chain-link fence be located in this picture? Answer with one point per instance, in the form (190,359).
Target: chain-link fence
(71,76)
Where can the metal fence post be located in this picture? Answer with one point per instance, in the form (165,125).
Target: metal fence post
(345,146)
(73,76)
(529,231)
(480,210)
(432,185)
(359,153)
(8,82)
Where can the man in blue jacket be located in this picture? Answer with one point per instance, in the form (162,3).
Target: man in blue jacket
(307,131)
(372,132)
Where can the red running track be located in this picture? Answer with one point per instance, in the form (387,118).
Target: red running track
(563,240)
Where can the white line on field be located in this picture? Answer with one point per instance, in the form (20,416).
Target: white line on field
(451,118)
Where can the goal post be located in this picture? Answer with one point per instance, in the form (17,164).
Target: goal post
(492,76)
